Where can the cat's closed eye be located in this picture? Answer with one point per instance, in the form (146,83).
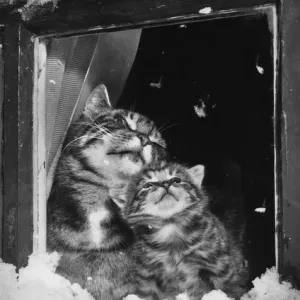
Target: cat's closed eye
(115,122)
(148,185)
(121,121)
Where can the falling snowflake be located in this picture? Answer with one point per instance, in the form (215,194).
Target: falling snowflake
(200,110)
(260,70)
(158,84)
(261,210)
(205,10)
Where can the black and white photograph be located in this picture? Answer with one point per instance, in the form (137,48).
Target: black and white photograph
(150,150)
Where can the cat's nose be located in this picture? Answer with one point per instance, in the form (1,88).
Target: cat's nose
(144,140)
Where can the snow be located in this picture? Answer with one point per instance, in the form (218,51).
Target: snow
(205,10)
(8,282)
(132,297)
(260,210)
(215,295)
(179,297)
(40,2)
(268,287)
(200,110)
(158,84)
(182,297)
(260,70)
(38,281)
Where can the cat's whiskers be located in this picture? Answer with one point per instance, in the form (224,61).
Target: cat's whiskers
(94,125)
(132,105)
(83,123)
(165,127)
(118,138)
(73,141)
(101,128)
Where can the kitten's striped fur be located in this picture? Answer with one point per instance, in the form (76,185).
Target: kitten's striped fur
(181,246)
(104,148)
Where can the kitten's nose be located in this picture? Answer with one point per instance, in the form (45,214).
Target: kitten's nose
(144,140)
(166,184)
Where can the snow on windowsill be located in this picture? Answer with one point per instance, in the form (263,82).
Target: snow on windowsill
(38,281)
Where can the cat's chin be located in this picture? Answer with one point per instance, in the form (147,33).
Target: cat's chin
(167,202)
(165,209)
(167,198)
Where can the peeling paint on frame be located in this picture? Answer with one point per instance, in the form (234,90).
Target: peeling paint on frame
(10,221)
(273,28)
(176,20)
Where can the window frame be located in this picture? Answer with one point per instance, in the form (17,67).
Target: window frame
(18,57)
(23,167)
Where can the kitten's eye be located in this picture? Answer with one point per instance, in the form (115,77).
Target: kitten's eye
(175,180)
(148,185)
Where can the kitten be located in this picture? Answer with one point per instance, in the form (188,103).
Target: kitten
(104,148)
(181,246)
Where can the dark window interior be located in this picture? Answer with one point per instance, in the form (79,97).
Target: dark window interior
(217,63)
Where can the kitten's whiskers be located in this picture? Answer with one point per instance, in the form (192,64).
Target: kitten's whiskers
(165,127)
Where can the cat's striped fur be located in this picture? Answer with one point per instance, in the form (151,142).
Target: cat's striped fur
(104,148)
(181,246)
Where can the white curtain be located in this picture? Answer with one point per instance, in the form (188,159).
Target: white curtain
(74,67)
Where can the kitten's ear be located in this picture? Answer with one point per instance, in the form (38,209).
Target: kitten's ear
(197,173)
(119,201)
(97,102)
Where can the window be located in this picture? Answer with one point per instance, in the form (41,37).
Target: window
(213,76)
(213,82)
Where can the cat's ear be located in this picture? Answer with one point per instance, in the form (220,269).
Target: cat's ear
(197,173)
(97,102)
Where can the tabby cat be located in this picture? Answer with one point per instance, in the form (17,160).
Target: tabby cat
(104,148)
(181,245)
